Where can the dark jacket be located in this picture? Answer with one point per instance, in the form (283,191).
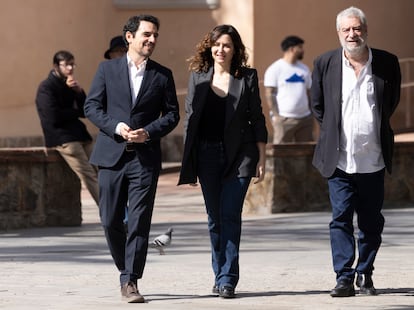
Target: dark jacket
(59,108)
(109,102)
(326,97)
(244,125)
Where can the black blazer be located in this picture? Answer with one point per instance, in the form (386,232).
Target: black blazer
(326,97)
(244,125)
(109,102)
(59,108)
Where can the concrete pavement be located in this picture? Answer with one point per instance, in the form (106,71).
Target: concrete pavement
(285,262)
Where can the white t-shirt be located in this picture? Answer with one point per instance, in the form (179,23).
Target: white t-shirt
(292,82)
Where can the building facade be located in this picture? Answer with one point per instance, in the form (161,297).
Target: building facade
(33,30)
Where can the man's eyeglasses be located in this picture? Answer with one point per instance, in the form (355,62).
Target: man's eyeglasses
(64,65)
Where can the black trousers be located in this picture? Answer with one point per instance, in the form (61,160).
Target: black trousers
(127,182)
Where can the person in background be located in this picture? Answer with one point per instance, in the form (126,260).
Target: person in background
(355,90)
(59,101)
(225,139)
(287,82)
(133,102)
(117,48)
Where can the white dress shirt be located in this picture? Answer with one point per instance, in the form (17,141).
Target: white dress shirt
(360,142)
(136,74)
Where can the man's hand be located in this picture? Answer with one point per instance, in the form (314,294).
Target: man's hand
(138,136)
(73,83)
(124,130)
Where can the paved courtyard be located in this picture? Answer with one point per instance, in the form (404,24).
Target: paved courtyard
(285,262)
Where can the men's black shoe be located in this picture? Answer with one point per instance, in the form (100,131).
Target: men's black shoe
(215,290)
(365,284)
(227,291)
(343,289)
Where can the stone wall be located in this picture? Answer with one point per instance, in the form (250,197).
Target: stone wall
(37,188)
(172,145)
(292,184)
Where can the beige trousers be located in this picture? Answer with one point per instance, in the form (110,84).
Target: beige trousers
(292,129)
(77,154)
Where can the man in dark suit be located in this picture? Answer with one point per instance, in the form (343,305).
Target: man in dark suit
(354,92)
(133,102)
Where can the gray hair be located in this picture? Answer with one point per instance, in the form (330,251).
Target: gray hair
(351,12)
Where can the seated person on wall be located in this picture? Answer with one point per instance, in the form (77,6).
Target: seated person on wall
(59,103)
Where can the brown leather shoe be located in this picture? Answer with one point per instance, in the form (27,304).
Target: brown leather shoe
(130,293)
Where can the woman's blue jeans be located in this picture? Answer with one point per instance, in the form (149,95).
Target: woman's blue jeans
(224,204)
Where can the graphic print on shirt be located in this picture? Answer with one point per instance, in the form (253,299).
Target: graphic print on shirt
(295,79)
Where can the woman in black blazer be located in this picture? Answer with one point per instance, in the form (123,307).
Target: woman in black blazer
(225,139)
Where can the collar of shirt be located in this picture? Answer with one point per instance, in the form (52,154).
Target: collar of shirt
(346,62)
(136,70)
(350,81)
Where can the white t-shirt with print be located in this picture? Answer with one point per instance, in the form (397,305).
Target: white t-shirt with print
(292,82)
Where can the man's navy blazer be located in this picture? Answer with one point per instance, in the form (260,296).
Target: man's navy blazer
(109,102)
(326,100)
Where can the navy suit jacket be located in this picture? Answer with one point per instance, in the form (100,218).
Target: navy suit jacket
(109,102)
(326,100)
(244,124)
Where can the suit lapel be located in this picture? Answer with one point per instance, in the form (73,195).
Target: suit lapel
(233,99)
(336,83)
(379,90)
(378,81)
(124,77)
(202,87)
(146,81)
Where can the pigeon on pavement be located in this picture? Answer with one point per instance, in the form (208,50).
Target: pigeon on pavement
(162,241)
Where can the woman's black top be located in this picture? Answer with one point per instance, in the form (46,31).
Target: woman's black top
(213,117)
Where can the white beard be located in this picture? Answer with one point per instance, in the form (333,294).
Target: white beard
(355,50)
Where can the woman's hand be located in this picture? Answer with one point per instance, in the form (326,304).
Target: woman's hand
(260,172)
(261,165)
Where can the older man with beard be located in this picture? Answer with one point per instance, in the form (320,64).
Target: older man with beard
(355,90)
